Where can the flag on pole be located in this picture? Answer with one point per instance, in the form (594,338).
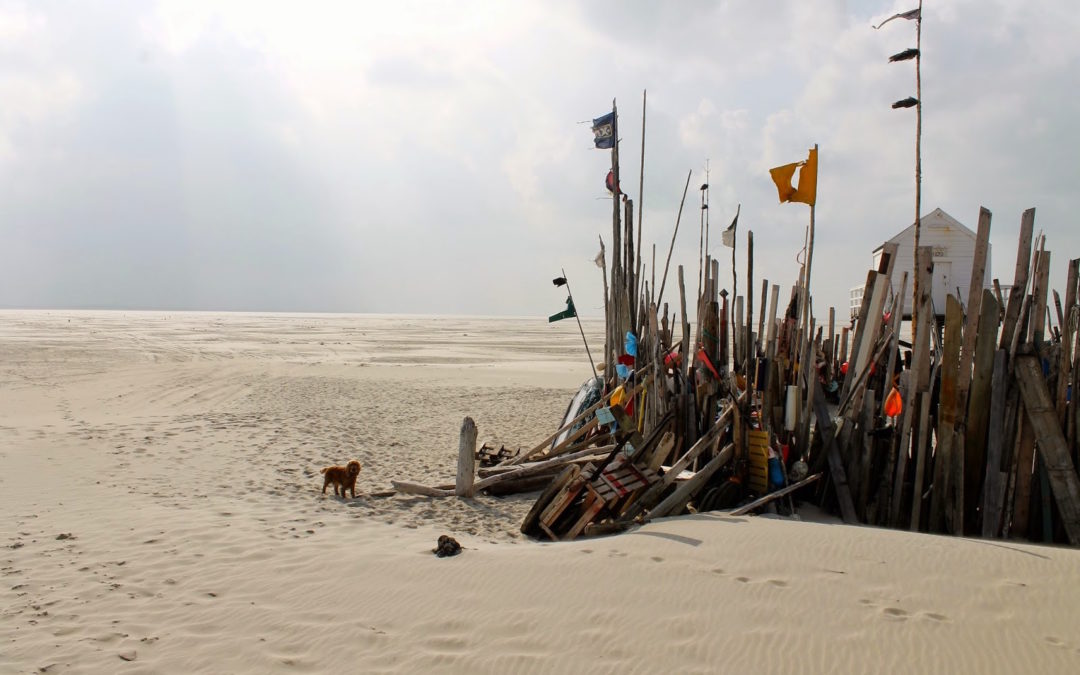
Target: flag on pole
(599,259)
(910,14)
(603,129)
(806,191)
(559,281)
(567,313)
(727,237)
(609,183)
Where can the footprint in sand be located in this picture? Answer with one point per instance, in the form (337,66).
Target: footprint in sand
(934,616)
(895,613)
(779,583)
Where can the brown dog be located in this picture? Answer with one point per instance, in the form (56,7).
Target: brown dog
(345,476)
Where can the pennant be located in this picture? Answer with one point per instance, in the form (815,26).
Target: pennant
(806,191)
(905,55)
(559,281)
(910,14)
(603,129)
(909,102)
(568,313)
(727,237)
(599,259)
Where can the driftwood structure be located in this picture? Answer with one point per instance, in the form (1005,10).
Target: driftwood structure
(969,429)
(755,406)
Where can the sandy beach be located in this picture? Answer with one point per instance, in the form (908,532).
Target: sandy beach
(162,514)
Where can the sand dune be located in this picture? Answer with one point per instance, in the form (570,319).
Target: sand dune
(159,480)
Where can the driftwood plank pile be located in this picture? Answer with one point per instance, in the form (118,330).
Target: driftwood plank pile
(747,409)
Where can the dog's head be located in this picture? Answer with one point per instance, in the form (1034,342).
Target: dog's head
(353,468)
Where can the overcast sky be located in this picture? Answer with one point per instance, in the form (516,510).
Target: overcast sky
(430,157)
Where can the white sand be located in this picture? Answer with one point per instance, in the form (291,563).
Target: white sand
(180,452)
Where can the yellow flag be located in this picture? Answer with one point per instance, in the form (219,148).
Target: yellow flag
(781,175)
(806,192)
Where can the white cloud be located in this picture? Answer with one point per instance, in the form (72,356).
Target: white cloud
(431,153)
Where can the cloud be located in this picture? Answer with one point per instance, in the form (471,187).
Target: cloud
(422,157)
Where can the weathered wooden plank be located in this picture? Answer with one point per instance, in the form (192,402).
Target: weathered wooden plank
(973,470)
(762,501)
(967,351)
(919,382)
(832,453)
(943,459)
(896,315)
(592,506)
(1064,482)
(466,470)
(408,488)
(1039,292)
(994,485)
(536,467)
(888,260)
(867,455)
(1020,278)
(1068,329)
(861,327)
(546,443)
(682,494)
(920,459)
(652,494)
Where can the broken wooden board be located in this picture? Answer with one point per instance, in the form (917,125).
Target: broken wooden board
(1064,482)
(758,503)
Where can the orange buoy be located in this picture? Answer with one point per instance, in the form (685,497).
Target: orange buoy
(894,404)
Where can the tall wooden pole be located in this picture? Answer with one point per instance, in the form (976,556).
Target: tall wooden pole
(809,259)
(615,315)
(918,167)
(641,200)
(663,280)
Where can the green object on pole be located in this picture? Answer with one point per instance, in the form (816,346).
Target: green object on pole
(568,313)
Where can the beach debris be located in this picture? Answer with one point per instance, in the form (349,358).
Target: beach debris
(129,655)
(446,546)
(972,429)
(488,455)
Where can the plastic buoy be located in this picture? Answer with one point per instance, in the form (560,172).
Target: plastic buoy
(894,404)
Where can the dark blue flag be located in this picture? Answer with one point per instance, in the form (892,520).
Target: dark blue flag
(603,129)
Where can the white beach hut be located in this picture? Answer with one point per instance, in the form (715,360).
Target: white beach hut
(953,246)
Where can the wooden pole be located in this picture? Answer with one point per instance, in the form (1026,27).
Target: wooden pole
(641,195)
(748,342)
(918,167)
(809,259)
(608,348)
(663,281)
(466,468)
(578,318)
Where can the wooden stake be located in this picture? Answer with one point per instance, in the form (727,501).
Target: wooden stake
(678,219)
(1020,279)
(466,471)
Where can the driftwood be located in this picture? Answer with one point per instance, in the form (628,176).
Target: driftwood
(762,501)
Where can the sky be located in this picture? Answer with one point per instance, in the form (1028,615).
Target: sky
(435,157)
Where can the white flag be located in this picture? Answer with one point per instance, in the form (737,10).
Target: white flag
(727,237)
